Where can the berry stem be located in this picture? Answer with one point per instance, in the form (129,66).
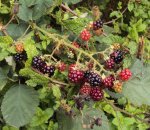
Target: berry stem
(51,80)
(78,58)
(63,41)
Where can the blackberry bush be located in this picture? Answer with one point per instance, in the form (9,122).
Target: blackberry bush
(67,65)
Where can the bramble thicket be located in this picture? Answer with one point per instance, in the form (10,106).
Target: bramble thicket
(74,65)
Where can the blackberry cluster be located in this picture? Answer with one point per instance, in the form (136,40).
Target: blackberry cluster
(39,64)
(18,57)
(97,24)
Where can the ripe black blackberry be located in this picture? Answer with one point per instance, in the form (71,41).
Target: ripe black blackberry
(117,56)
(38,63)
(94,79)
(97,24)
(20,57)
(49,69)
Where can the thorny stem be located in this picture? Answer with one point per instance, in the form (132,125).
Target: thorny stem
(63,42)
(125,112)
(51,57)
(56,48)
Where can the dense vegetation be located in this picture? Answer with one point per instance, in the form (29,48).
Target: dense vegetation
(75,65)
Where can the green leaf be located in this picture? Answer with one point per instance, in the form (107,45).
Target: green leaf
(133,33)
(3,78)
(11,30)
(130,6)
(5,41)
(3,54)
(33,9)
(41,116)
(9,128)
(66,122)
(137,90)
(71,1)
(19,104)
(56,91)
(31,51)
(36,78)
(133,47)
(116,14)
(76,25)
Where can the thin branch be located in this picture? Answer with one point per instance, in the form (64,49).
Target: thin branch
(109,22)
(3,29)
(125,112)
(12,18)
(68,9)
(51,80)
(25,31)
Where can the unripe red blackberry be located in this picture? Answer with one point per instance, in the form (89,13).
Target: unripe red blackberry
(85,35)
(108,81)
(125,74)
(117,56)
(75,75)
(62,67)
(96,94)
(72,67)
(109,64)
(97,24)
(85,89)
